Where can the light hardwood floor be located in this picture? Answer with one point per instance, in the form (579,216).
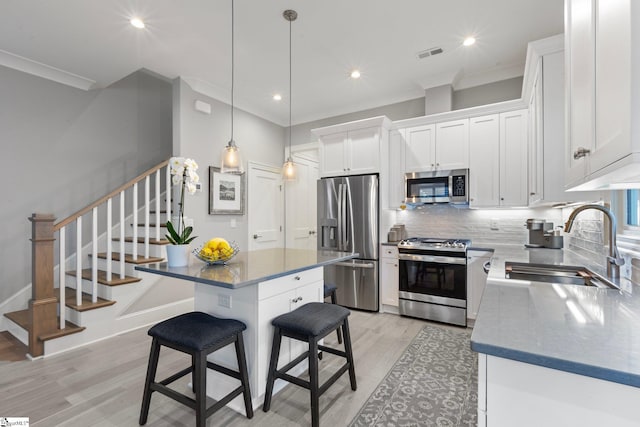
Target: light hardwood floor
(101,384)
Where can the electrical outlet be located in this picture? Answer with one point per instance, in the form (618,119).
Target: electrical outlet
(493,224)
(224,301)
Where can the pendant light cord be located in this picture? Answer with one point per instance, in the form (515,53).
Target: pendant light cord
(232,65)
(290,93)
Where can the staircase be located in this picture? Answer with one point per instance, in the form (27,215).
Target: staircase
(103,294)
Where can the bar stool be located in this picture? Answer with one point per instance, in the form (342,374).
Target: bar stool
(198,334)
(330,291)
(310,323)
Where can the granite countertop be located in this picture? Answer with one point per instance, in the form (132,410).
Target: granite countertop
(580,329)
(251,267)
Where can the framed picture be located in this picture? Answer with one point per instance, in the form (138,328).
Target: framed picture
(226,193)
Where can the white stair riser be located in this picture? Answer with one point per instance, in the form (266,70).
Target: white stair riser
(17,331)
(152,232)
(154,250)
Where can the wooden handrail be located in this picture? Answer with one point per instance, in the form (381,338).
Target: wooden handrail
(114,193)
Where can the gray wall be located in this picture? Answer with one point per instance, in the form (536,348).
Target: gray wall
(480,95)
(490,93)
(202,137)
(63,148)
(301,134)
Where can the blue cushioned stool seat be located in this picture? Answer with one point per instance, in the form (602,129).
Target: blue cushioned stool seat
(310,323)
(196,330)
(198,334)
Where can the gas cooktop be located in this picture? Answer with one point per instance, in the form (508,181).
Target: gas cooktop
(430,243)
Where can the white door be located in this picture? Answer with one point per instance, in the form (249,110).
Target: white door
(420,148)
(484,161)
(363,151)
(513,158)
(265,207)
(452,145)
(332,154)
(301,205)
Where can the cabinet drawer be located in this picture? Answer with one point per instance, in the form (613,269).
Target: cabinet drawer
(287,283)
(389,251)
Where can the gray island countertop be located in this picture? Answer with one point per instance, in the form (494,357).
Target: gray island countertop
(250,267)
(579,329)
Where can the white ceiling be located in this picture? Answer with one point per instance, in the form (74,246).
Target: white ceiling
(90,44)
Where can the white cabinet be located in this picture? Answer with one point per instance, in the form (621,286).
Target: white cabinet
(484,161)
(352,148)
(476,279)
(396,168)
(452,145)
(389,271)
(513,158)
(420,148)
(602,144)
(351,153)
(437,146)
(498,160)
(513,393)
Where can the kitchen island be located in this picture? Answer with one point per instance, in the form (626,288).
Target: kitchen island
(254,287)
(556,354)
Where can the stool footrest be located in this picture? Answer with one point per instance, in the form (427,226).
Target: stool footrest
(224,370)
(294,380)
(176,376)
(185,400)
(333,379)
(222,402)
(332,351)
(294,362)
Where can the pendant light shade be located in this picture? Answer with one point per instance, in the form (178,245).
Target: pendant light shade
(231,160)
(289,168)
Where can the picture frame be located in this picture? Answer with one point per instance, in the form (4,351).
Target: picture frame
(226,192)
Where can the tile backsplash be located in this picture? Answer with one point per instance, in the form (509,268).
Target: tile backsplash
(475,224)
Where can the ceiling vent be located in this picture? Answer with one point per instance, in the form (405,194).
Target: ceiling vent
(430,52)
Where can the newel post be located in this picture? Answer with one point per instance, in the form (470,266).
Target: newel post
(43,305)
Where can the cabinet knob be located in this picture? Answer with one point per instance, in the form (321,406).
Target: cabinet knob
(471,199)
(502,198)
(395,265)
(312,232)
(255,236)
(580,153)
(532,194)
(432,165)
(297,278)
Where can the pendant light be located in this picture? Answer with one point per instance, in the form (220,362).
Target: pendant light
(231,160)
(289,168)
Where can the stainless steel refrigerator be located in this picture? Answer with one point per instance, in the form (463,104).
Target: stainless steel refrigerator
(348,221)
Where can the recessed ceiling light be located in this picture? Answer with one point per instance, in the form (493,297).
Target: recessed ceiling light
(355,74)
(277,97)
(469,41)
(137,22)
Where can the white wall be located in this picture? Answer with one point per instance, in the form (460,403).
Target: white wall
(63,148)
(202,137)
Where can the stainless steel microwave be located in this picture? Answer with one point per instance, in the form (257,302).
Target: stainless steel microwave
(446,186)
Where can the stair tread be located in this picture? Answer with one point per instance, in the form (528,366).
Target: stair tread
(70,300)
(141,240)
(115,256)
(102,277)
(21,318)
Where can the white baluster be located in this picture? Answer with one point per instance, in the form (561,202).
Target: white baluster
(63,271)
(167,193)
(79,261)
(135,222)
(147,183)
(94,258)
(157,197)
(121,234)
(109,240)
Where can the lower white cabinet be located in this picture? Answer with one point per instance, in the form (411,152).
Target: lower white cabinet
(389,278)
(476,279)
(513,393)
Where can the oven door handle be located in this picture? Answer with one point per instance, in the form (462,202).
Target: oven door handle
(432,258)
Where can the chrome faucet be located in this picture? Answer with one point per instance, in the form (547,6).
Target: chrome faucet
(614,260)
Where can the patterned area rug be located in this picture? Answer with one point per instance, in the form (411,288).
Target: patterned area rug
(434,383)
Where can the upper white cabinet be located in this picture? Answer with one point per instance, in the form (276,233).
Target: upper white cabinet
(452,145)
(498,160)
(352,148)
(602,145)
(438,146)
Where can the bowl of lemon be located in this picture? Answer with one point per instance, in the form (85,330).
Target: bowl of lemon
(216,251)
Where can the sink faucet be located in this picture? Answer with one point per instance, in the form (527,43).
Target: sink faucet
(614,260)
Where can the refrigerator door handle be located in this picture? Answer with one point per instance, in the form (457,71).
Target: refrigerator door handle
(340,224)
(354,265)
(349,228)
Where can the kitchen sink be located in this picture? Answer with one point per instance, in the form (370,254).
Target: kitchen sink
(550,273)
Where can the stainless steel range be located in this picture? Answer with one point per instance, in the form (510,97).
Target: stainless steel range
(433,279)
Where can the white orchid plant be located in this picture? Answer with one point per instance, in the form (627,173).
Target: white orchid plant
(183,172)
